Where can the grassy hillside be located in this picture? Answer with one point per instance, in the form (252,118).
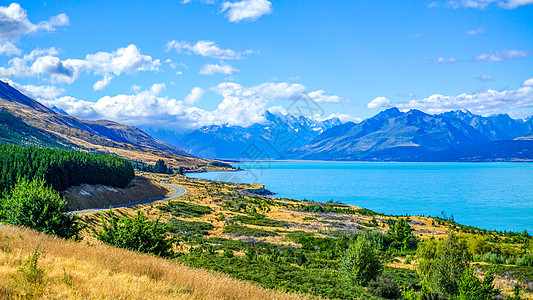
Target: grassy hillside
(297,246)
(34,265)
(14,131)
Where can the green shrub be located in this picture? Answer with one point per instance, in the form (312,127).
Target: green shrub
(401,235)
(491,258)
(472,288)
(428,295)
(188,228)
(525,261)
(259,220)
(385,287)
(185,210)
(360,263)
(441,264)
(33,204)
(239,230)
(136,233)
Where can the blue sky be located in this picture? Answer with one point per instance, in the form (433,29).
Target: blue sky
(185,64)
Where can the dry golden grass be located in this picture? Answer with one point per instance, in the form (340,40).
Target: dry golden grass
(81,271)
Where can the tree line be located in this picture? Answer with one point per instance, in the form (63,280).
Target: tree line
(61,168)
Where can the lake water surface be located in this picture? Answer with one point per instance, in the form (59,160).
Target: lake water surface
(486,195)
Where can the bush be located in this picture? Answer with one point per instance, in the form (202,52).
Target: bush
(239,230)
(441,264)
(491,258)
(471,288)
(385,287)
(33,204)
(525,261)
(189,228)
(137,234)
(259,220)
(433,296)
(401,235)
(185,210)
(360,263)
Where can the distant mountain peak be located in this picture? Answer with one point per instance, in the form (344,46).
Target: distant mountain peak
(392,112)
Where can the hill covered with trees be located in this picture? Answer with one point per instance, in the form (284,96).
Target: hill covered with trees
(61,168)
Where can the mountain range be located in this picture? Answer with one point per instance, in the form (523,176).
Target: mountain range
(25,121)
(391,135)
(268,140)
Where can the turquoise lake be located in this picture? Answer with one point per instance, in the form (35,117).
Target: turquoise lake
(486,195)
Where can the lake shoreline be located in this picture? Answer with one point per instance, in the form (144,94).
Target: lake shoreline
(430,197)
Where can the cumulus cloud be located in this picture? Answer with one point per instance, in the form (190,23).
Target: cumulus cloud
(44,62)
(7,48)
(379,102)
(485,78)
(241,106)
(528,83)
(502,55)
(14,22)
(195,96)
(212,69)
(38,92)
(102,84)
(484,102)
(246,10)
(475,31)
(482,4)
(205,48)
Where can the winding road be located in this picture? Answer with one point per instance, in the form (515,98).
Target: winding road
(178,191)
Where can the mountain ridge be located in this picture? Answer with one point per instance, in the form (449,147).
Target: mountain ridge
(101,136)
(395,135)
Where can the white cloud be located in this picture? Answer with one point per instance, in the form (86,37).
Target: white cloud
(482,4)
(502,55)
(102,84)
(195,96)
(484,102)
(485,78)
(210,69)
(205,48)
(17,67)
(241,106)
(293,91)
(7,48)
(446,60)
(528,83)
(127,60)
(475,31)
(38,92)
(246,10)
(379,102)
(511,4)
(318,96)
(14,22)
(38,52)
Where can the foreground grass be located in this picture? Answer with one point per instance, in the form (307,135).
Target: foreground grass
(35,265)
